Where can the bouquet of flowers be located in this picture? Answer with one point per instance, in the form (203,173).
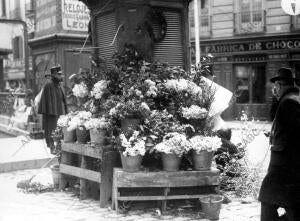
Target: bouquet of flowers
(80,90)
(79,120)
(199,143)
(133,146)
(99,89)
(173,143)
(97,123)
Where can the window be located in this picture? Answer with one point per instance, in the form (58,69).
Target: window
(250,83)
(249,16)
(17,46)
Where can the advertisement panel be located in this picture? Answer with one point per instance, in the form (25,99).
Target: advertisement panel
(75,15)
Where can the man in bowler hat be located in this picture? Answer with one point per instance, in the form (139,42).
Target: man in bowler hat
(281,185)
(52,104)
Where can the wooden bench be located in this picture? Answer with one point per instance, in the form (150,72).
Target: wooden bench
(202,182)
(76,163)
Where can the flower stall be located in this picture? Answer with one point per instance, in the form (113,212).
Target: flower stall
(155,121)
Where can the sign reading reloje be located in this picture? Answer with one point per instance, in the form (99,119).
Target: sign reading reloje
(75,15)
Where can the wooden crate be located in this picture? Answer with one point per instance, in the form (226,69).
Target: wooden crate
(75,163)
(166,181)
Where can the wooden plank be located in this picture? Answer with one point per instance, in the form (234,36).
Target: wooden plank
(81,173)
(82,149)
(172,197)
(166,179)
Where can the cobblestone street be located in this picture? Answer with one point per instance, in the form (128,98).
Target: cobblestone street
(17,205)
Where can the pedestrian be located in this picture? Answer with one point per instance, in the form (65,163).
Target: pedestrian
(280,190)
(52,104)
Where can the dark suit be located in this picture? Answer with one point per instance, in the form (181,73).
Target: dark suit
(281,186)
(52,105)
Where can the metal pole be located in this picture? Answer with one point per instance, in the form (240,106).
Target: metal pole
(197,32)
(26,49)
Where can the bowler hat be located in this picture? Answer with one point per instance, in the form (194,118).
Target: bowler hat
(55,70)
(284,74)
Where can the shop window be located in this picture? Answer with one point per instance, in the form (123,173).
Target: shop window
(250,16)
(250,81)
(3,8)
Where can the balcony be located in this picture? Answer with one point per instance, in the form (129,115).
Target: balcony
(249,22)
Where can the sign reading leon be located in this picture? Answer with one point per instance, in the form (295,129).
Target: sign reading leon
(75,15)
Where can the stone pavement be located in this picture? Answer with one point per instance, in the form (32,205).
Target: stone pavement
(17,205)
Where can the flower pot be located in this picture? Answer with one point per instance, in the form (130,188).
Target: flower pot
(130,123)
(211,206)
(171,162)
(55,175)
(131,163)
(97,136)
(69,136)
(202,160)
(82,135)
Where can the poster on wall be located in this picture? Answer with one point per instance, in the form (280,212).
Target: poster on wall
(75,15)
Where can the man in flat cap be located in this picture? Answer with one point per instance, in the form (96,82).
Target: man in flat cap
(52,104)
(281,185)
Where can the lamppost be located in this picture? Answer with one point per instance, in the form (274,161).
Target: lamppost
(26,52)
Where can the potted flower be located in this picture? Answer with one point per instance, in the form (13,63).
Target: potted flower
(132,151)
(77,122)
(173,146)
(203,150)
(98,129)
(130,113)
(63,122)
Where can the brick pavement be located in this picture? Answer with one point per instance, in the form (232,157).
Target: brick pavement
(17,205)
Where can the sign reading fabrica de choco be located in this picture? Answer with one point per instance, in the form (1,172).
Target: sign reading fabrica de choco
(252,46)
(75,15)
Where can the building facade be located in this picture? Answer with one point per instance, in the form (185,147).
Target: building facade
(250,40)
(13,37)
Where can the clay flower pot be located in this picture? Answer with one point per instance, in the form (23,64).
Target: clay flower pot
(171,162)
(69,136)
(131,163)
(82,135)
(97,136)
(202,160)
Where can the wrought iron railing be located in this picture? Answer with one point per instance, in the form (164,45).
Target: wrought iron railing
(7,102)
(247,22)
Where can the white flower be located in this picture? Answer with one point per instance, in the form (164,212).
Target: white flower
(199,143)
(99,89)
(182,85)
(194,112)
(145,106)
(150,82)
(134,146)
(79,119)
(80,90)
(63,121)
(175,143)
(171,84)
(96,123)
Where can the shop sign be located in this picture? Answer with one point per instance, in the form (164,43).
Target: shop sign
(253,46)
(75,15)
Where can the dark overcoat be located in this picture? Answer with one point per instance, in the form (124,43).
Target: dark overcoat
(281,185)
(51,106)
(52,100)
